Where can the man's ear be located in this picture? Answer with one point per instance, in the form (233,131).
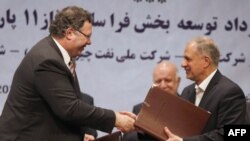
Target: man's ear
(69,33)
(207,61)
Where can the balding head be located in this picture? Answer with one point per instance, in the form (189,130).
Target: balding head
(165,76)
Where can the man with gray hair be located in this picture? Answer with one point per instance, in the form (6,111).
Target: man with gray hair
(211,91)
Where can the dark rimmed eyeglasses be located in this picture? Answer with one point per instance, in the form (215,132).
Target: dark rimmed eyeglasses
(87,36)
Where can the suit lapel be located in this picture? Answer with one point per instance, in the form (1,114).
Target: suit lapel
(77,87)
(74,81)
(191,94)
(212,84)
(53,45)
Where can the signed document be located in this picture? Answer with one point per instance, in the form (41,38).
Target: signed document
(162,109)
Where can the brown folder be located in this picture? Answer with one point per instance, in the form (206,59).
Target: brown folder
(161,109)
(116,136)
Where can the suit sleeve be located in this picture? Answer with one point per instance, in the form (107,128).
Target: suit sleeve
(90,100)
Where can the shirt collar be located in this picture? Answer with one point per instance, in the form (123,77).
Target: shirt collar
(205,82)
(65,54)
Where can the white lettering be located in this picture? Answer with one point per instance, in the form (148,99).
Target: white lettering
(231,132)
(243,131)
(236,132)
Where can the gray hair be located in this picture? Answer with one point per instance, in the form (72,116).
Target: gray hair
(207,46)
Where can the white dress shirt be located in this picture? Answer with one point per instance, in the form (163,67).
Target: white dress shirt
(200,89)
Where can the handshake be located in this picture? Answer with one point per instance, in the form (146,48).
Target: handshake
(125,121)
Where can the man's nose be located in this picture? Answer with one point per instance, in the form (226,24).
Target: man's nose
(183,64)
(163,84)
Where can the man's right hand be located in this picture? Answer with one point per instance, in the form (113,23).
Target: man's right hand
(125,121)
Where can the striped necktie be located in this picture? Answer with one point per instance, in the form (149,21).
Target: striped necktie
(72,67)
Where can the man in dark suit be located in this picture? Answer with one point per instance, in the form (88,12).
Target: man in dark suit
(211,91)
(165,76)
(44,102)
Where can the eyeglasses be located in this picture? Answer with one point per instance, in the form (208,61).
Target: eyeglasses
(87,36)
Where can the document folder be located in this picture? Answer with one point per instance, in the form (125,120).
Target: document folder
(161,109)
(116,136)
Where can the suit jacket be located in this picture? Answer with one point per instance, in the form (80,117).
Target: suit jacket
(90,100)
(225,100)
(248,111)
(137,108)
(44,102)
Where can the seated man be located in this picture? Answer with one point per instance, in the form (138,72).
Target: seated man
(165,76)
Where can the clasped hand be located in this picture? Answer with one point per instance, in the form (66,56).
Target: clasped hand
(125,121)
